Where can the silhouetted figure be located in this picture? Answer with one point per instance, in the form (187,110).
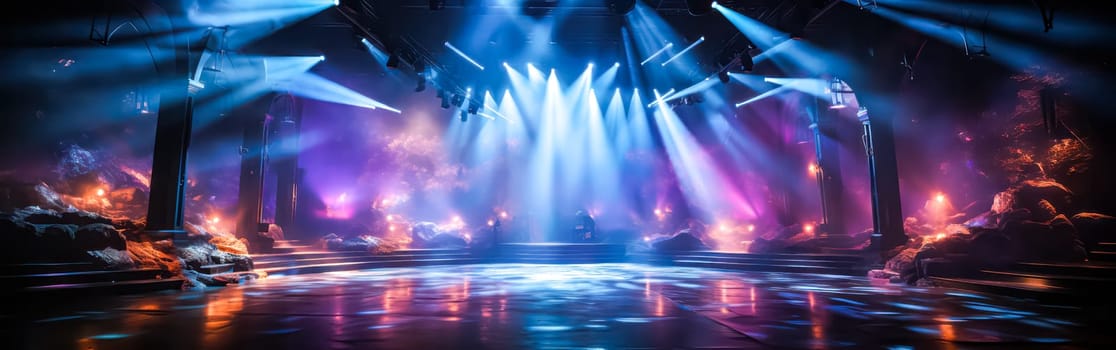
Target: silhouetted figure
(585,228)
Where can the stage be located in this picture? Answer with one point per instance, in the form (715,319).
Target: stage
(616,305)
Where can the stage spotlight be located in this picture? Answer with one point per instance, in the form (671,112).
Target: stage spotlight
(837,91)
(393,60)
(621,7)
(458,100)
(420,74)
(474,106)
(445,99)
(746,63)
(699,7)
(464,116)
(437,4)
(723,75)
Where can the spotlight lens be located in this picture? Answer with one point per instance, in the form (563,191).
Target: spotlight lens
(321,58)
(616,65)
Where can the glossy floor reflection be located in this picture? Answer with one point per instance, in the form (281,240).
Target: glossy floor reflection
(553,306)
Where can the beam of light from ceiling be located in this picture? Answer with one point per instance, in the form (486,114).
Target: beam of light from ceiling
(797,54)
(250,20)
(1020,18)
(763,95)
(815,87)
(701,181)
(316,87)
(606,79)
(1012,54)
(657,53)
(380,56)
(463,55)
(684,51)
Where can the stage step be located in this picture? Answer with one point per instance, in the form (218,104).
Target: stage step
(1015,289)
(1100,255)
(104,288)
(1106,247)
(216,269)
(361,265)
(36,268)
(798,263)
(1088,268)
(78,277)
(353,258)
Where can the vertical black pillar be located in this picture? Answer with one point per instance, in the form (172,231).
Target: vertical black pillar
(286,164)
(828,175)
(172,139)
(253,153)
(883,171)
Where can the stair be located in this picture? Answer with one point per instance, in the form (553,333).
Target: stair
(80,279)
(559,253)
(838,264)
(304,262)
(1048,281)
(1104,251)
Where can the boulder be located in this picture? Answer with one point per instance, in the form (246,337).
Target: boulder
(1029,193)
(82,218)
(1043,211)
(111,258)
(445,241)
(682,241)
(97,237)
(1093,228)
(55,242)
(902,263)
(38,216)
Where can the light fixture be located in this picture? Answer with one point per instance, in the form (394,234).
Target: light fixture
(837,92)
(699,7)
(420,74)
(621,7)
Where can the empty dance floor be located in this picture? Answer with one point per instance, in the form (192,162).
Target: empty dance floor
(607,306)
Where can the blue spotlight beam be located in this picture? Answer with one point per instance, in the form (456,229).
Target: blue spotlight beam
(684,51)
(463,55)
(657,53)
(659,98)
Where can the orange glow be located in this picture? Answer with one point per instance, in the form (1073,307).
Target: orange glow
(751,228)
(391,228)
(939,236)
(100,192)
(810,297)
(940,198)
(808,228)
(724,228)
(813,168)
(947,332)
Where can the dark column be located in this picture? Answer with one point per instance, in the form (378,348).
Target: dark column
(286,165)
(887,215)
(253,152)
(828,175)
(172,139)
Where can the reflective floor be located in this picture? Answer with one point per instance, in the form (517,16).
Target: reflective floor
(554,306)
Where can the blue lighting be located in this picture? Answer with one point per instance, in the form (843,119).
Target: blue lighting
(684,51)
(110,336)
(657,53)
(463,55)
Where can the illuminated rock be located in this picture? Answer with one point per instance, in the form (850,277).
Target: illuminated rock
(111,258)
(682,241)
(1093,228)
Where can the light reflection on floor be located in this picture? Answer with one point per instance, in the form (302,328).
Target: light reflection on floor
(554,306)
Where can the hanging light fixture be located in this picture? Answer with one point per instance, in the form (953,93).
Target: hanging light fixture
(837,94)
